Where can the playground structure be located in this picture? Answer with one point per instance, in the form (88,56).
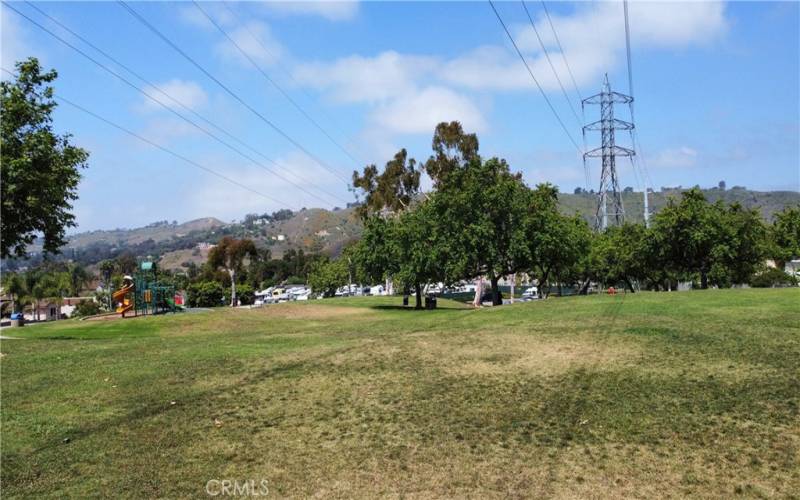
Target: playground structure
(143,294)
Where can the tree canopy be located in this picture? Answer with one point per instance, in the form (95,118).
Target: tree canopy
(40,169)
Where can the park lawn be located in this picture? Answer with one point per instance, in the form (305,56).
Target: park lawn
(645,395)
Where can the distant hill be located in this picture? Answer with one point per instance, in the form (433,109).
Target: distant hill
(320,230)
(768,202)
(157,232)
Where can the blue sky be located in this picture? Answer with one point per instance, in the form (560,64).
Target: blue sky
(716,87)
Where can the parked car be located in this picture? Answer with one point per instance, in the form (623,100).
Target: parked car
(487,296)
(531,293)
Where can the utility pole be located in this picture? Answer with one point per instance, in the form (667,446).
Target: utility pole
(646,208)
(608,152)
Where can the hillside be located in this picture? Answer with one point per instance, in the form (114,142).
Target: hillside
(769,202)
(158,232)
(320,230)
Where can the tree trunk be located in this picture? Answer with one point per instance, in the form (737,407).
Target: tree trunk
(476,302)
(513,282)
(542,282)
(703,280)
(232,273)
(630,285)
(418,289)
(496,300)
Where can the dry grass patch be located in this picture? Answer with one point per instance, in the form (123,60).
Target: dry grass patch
(539,355)
(313,311)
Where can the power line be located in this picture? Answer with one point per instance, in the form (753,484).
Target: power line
(157,101)
(159,146)
(634,134)
(541,90)
(331,120)
(268,78)
(188,109)
(561,49)
(550,62)
(230,92)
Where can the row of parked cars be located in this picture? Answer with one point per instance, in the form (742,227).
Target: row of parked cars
(273,295)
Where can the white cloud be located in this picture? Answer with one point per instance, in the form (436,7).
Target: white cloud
(192,16)
(419,112)
(256,40)
(584,36)
(682,157)
(329,9)
(214,196)
(165,130)
(366,79)
(188,93)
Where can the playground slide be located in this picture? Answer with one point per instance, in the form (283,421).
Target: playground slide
(125,308)
(122,292)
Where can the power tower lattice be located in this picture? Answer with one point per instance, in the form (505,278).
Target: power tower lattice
(608,152)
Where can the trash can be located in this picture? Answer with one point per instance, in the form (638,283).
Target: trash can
(17,320)
(427,302)
(433,301)
(405,300)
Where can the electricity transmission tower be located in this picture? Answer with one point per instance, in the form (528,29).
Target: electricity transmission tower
(608,152)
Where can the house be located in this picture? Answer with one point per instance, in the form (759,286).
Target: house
(46,310)
(68,304)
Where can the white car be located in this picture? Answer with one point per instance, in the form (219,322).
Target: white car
(531,293)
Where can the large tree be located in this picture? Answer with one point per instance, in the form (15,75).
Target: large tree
(229,254)
(481,211)
(40,170)
(619,255)
(557,242)
(723,245)
(687,230)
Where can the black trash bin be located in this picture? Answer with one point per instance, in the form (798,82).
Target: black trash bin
(405,300)
(433,301)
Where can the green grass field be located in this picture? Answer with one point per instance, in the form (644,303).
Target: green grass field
(646,395)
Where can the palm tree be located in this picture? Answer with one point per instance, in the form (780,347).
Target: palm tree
(14,285)
(79,278)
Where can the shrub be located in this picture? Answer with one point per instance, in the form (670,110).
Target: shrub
(246,294)
(205,294)
(87,308)
(771,278)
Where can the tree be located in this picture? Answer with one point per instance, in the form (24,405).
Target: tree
(79,278)
(205,294)
(394,189)
(687,231)
(126,263)
(417,248)
(14,286)
(452,149)
(229,254)
(784,235)
(619,255)
(724,245)
(40,169)
(480,213)
(246,294)
(328,275)
(741,246)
